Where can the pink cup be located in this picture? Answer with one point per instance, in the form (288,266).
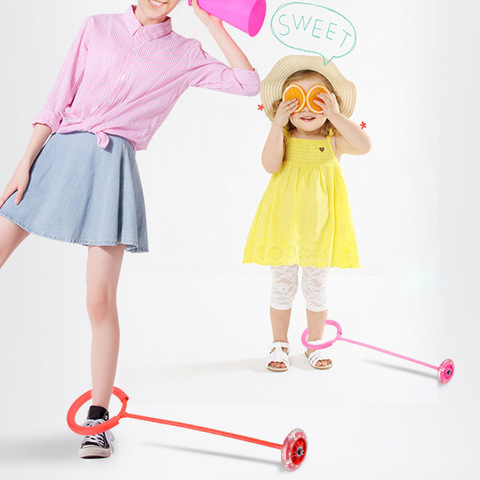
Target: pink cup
(246,15)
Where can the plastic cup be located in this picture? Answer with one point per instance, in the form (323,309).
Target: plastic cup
(246,15)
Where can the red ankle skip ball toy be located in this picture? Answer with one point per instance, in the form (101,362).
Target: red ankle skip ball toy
(293,449)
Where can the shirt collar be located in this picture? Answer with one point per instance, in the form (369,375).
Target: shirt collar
(153,31)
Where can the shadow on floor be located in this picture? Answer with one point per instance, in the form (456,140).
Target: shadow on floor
(215,454)
(429,372)
(45,448)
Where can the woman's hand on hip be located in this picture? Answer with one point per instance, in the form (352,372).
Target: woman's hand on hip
(18,184)
(21,176)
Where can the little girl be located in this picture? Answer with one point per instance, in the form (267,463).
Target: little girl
(304,218)
(120,80)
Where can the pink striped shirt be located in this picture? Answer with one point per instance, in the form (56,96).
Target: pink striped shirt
(123,79)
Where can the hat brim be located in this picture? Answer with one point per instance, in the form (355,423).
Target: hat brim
(272,85)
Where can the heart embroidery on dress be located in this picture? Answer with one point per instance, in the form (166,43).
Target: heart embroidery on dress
(322,149)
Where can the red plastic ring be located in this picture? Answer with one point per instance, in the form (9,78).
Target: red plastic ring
(103,427)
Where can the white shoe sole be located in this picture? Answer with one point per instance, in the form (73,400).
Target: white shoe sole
(94,452)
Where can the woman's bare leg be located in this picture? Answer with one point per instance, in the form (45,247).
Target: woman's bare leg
(103,271)
(11,236)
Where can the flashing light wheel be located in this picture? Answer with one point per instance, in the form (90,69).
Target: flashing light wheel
(446,371)
(294,449)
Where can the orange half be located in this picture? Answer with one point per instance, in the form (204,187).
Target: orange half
(295,91)
(312,95)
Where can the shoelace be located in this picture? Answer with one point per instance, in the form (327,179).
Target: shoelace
(101,439)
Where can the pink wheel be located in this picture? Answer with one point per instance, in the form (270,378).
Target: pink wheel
(446,371)
(294,449)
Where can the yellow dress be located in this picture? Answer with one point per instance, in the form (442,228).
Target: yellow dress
(304,217)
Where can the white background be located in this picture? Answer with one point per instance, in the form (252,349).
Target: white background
(194,320)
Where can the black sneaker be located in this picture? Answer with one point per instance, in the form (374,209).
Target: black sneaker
(99,445)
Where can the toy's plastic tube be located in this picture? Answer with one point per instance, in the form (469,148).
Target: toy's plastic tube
(114,421)
(203,429)
(388,352)
(444,372)
(339,336)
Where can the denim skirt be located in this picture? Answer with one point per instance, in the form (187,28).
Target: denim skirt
(82,193)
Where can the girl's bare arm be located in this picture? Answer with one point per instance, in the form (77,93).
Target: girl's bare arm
(274,150)
(353,139)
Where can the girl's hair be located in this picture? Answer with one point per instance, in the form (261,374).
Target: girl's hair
(300,75)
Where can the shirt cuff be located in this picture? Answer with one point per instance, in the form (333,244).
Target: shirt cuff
(248,78)
(48,118)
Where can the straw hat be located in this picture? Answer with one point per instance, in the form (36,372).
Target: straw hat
(272,85)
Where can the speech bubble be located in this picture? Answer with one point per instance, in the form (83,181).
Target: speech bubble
(314,29)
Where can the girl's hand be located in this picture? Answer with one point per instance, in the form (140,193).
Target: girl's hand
(329,104)
(18,184)
(207,19)
(284,110)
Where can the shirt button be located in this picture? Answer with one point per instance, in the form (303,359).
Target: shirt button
(122,77)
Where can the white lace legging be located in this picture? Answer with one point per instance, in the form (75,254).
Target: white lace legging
(285,286)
